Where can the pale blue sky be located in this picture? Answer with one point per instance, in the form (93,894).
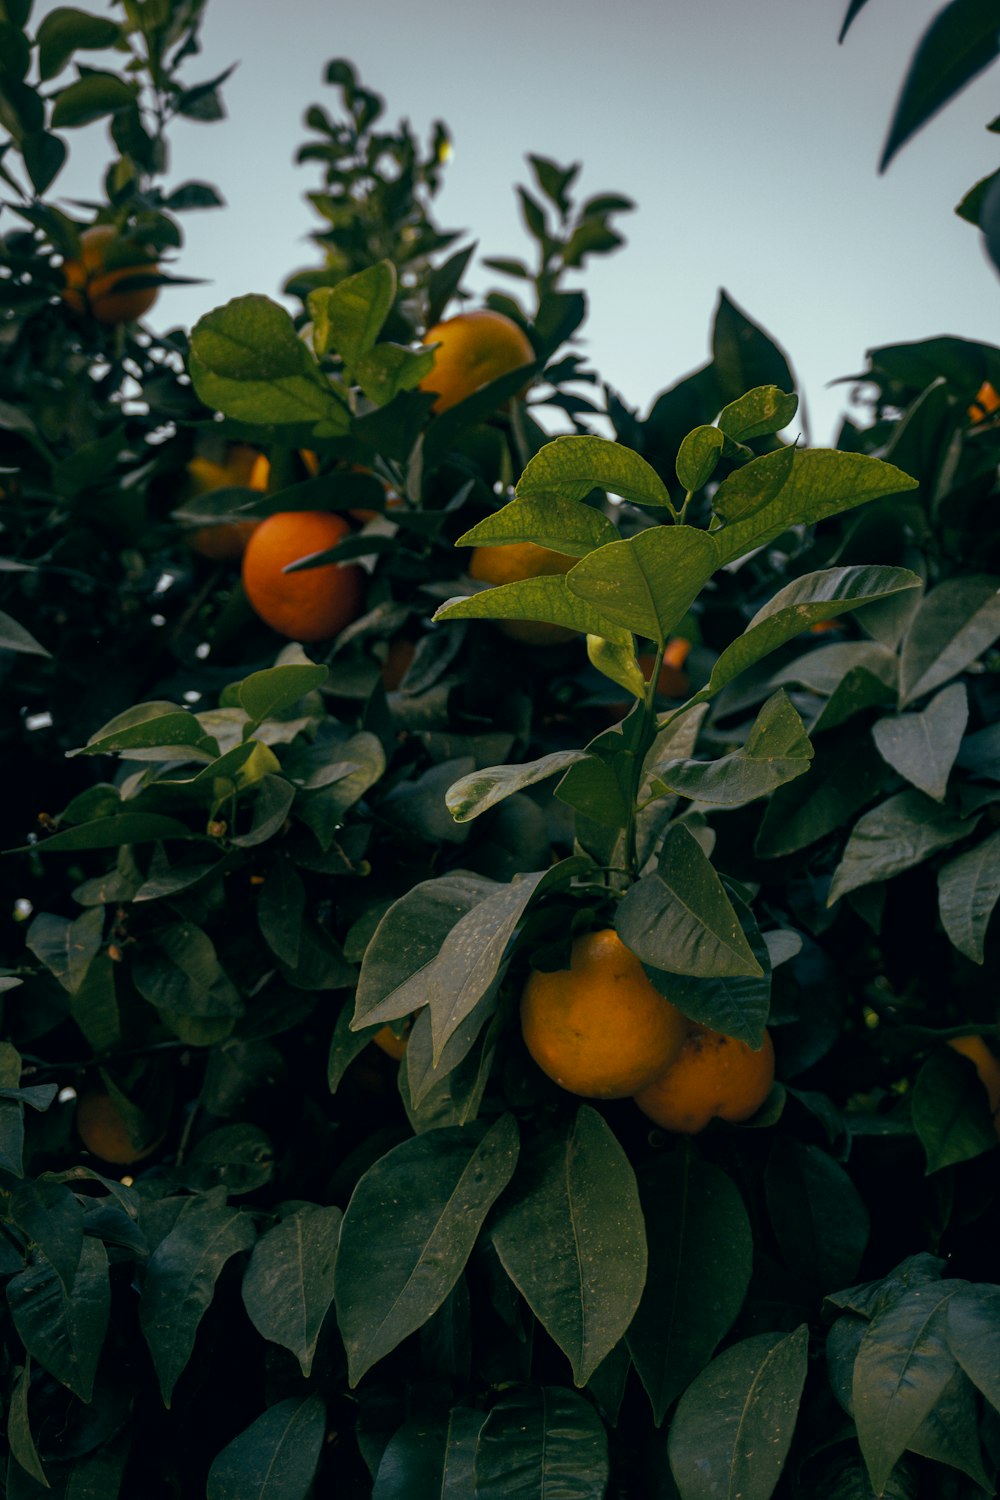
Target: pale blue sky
(747,138)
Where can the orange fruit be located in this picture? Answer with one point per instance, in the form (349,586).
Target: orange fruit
(309,606)
(987,1065)
(92,289)
(516,560)
(714,1077)
(987,401)
(397,663)
(101,1128)
(599,1028)
(475,348)
(226,541)
(388,1042)
(672,681)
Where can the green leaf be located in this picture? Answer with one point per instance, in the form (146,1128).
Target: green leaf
(698,455)
(67,948)
(275,1458)
(545,598)
(64,31)
(902,1367)
(819,1218)
(408,1231)
(52,1218)
(777,750)
(19,1434)
(180,1279)
(14,637)
(539,1442)
(572,466)
(288,1285)
(572,1239)
(390,368)
(271,805)
(898,834)
(680,918)
(480,790)
(64,1331)
(758,413)
(955,623)
(744,356)
(735,1004)
(922,746)
(617,662)
(822,669)
(348,317)
(949,1433)
(146,726)
(648,582)
(968,891)
(749,489)
(974,1336)
(846,773)
(91,98)
(959,43)
(804,602)
(823,483)
(733,1427)
(431,1456)
(248,361)
(700,1259)
(281,904)
(267,694)
(177,971)
(548,521)
(950,1111)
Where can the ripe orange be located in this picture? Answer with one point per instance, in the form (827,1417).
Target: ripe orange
(388,1042)
(101,1128)
(309,606)
(599,1028)
(226,541)
(475,348)
(987,401)
(987,1065)
(715,1076)
(672,681)
(507,564)
(91,289)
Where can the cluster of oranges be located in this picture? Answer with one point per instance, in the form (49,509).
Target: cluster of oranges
(601,1029)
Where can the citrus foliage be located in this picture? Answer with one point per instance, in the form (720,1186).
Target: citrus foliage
(743,782)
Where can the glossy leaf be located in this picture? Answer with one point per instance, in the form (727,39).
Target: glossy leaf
(846,773)
(757,484)
(179,973)
(895,836)
(408,1231)
(959,43)
(248,361)
(180,1280)
(737,1004)
(264,695)
(64,1332)
(546,598)
(480,790)
(758,413)
(950,1112)
(968,891)
(698,455)
(955,623)
(433,1457)
(572,466)
(733,1427)
(275,1458)
(922,746)
(548,521)
(348,317)
(680,918)
(148,725)
(819,1218)
(974,1336)
(541,1443)
(288,1284)
(647,583)
(777,750)
(52,1218)
(700,1259)
(571,1238)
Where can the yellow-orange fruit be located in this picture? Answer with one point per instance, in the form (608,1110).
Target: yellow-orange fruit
(388,1042)
(672,682)
(475,348)
(987,1065)
(599,1028)
(226,540)
(508,564)
(312,605)
(103,1131)
(714,1077)
(987,401)
(89,288)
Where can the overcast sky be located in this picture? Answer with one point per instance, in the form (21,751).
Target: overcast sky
(746,137)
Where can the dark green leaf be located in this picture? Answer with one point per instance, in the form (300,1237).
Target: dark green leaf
(14,637)
(898,834)
(52,1218)
(733,1427)
(432,1457)
(267,694)
(777,750)
(67,948)
(955,623)
(700,1258)
(698,455)
(736,1004)
(275,1458)
(758,413)
(819,1218)
(44,155)
(846,773)
(974,1336)
(179,973)
(541,1443)
(475,793)
(19,1434)
(148,725)
(757,484)
(744,355)
(64,31)
(64,1332)
(572,1239)
(922,746)
(648,582)
(288,1285)
(91,98)
(959,43)
(408,1231)
(968,891)
(349,316)
(950,1112)
(281,903)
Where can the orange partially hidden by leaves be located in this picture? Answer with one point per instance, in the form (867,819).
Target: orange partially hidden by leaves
(672,682)
(508,564)
(987,401)
(388,1042)
(243,465)
(599,1028)
(714,1077)
(987,1065)
(397,663)
(103,1131)
(475,348)
(104,294)
(312,605)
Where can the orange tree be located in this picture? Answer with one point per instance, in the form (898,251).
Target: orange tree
(310,1265)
